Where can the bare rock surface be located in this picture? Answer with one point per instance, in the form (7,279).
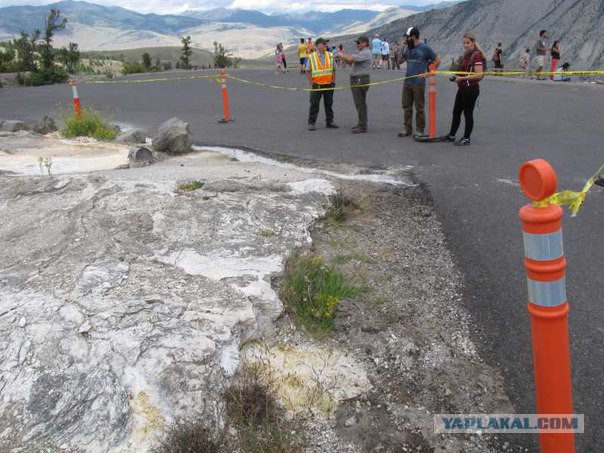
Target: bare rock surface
(123,304)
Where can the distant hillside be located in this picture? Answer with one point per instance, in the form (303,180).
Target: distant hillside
(315,22)
(578,24)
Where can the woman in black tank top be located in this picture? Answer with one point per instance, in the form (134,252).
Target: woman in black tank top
(555,52)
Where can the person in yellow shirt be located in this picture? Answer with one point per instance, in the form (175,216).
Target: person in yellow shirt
(302,55)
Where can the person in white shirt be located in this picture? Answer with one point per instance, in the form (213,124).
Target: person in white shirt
(385,54)
(561,73)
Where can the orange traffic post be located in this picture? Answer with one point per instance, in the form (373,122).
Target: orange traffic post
(432,101)
(225,98)
(77,108)
(548,308)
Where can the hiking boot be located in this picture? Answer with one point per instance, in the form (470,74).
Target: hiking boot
(462,142)
(448,138)
(311,127)
(404,134)
(332,125)
(359,130)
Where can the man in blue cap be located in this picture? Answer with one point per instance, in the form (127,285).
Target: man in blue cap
(321,73)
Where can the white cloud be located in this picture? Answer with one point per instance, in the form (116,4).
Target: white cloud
(176,6)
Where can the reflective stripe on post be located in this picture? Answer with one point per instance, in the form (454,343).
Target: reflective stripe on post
(548,308)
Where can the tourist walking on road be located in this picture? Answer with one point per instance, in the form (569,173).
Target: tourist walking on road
(302,55)
(385,54)
(541,49)
(418,56)
(279,59)
(376,52)
(468,90)
(321,73)
(359,80)
(555,53)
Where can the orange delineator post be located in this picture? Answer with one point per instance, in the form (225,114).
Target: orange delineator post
(77,108)
(432,101)
(225,97)
(548,308)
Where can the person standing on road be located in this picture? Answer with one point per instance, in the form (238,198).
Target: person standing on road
(555,53)
(376,52)
(468,90)
(359,80)
(321,73)
(395,56)
(385,51)
(302,56)
(541,51)
(498,58)
(525,62)
(418,56)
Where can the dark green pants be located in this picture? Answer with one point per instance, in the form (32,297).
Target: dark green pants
(359,96)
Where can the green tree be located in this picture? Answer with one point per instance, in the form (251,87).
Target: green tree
(186,52)
(26,47)
(54,23)
(147,61)
(222,56)
(70,57)
(6,59)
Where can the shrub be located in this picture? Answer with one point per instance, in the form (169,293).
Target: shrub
(48,76)
(189,437)
(312,291)
(92,124)
(189,186)
(251,404)
(133,68)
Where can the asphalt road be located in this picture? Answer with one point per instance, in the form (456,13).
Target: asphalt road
(474,188)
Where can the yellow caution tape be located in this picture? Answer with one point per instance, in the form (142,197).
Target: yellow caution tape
(573,199)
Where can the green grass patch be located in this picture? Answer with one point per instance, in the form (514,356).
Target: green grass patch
(189,186)
(267,233)
(91,124)
(312,291)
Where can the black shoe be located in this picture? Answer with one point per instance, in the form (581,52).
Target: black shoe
(359,130)
(404,134)
(448,138)
(332,125)
(462,142)
(311,127)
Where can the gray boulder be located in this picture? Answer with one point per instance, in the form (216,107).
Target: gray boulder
(13,126)
(132,136)
(140,157)
(46,126)
(173,137)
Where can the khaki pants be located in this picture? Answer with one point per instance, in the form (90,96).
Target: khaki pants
(414,94)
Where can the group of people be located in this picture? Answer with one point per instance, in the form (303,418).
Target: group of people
(321,74)
(385,55)
(542,48)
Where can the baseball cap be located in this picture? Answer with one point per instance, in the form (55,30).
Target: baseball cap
(321,41)
(362,39)
(412,31)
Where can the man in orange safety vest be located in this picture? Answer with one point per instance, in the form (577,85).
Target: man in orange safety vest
(321,73)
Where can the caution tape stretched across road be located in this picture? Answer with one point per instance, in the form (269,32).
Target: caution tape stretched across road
(573,199)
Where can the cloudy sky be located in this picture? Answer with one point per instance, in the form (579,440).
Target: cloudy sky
(177,6)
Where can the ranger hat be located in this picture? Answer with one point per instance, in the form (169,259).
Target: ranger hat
(362,39)
(321,41)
